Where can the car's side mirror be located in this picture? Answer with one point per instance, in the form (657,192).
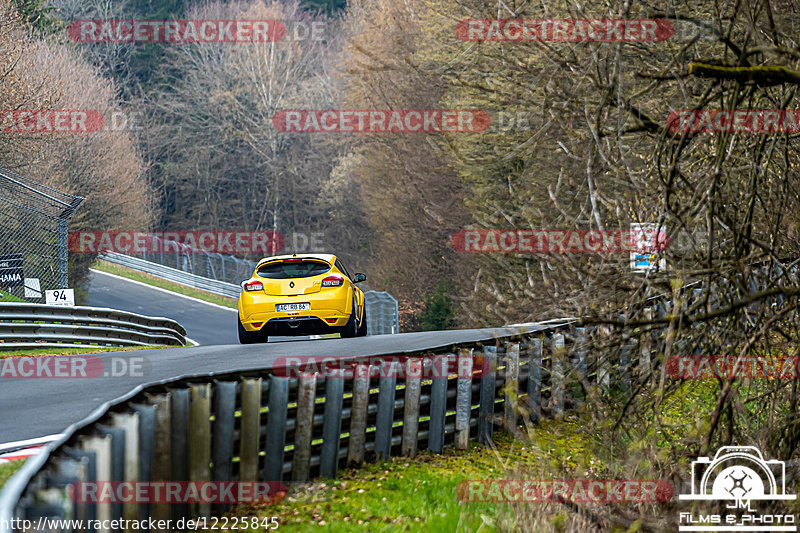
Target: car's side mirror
(359,277)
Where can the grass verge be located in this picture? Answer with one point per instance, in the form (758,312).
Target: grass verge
(9,469)
(134,275)
(6,297)
(76,351)
(420,494)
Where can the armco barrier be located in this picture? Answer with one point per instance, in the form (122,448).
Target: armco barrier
(265,425)
(383,314)
(223,288)
(24,325)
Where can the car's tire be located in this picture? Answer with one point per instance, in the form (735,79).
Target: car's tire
(351,328)
(249,337)
(362,329)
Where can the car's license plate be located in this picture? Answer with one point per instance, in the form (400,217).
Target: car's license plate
(294,307)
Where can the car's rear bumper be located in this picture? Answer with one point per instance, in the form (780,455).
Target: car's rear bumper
(330,311)
(320,321)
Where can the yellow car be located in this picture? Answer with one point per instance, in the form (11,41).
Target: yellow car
(301,295)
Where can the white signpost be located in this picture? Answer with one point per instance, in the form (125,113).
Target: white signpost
(60,297)
(648,242)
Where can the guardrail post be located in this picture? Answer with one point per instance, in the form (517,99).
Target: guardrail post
(100,446)
(162,449)
(646,345)
(250,429)
(332,424)
(306,394)
(557,373)
(464,397)
(147,429)
(604,364)
(413,375)
(579,349)
(439,371)
(535,380)
(200,441)
(88,466)
(383,425)
(358,415)
(129,424)
(625,368)
(511,386)
(487,394)
(276,428)
(222,435)
(117,461)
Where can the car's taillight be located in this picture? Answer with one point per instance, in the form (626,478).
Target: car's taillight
(251,286)
(332,281)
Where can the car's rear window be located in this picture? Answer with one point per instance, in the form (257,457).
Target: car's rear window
(292,269)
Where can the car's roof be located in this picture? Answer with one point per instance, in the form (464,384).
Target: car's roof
(328,258)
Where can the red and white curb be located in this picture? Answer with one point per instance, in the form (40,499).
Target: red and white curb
(15,451)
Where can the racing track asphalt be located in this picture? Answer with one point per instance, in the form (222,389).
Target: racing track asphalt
(35,407)
(204,323)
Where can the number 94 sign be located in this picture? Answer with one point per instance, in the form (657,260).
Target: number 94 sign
(60,297)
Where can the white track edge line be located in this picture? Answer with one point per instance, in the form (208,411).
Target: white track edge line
(163,290)
(30,442)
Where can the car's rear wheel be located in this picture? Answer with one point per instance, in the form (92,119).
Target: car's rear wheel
(351,328)
(249,337)
(362,329)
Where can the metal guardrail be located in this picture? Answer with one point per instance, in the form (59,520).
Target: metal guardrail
(223,288)
(314,424)
(24,325)
(383,314)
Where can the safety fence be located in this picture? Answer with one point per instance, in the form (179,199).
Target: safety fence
(24,325)
(214,266)
(34,223)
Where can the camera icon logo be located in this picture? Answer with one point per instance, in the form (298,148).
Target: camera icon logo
(738,473)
